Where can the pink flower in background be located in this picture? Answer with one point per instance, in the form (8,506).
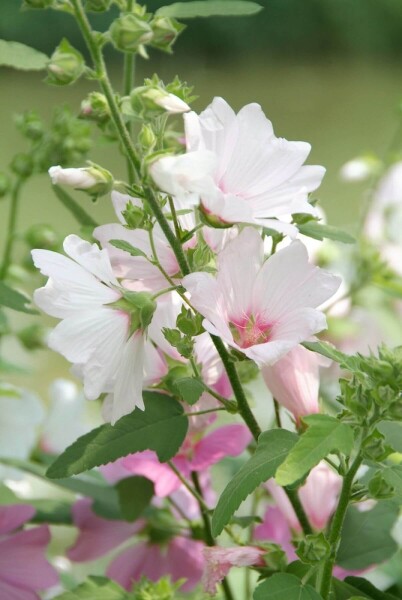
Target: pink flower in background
(294,381)
(219,561)
(319,497)
(263,309)
(275,528)
(24,570)
(258,178)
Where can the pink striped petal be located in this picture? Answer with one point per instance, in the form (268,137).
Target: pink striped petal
(229,440)
(13,516)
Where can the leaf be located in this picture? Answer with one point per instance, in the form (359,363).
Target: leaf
(19,56)
(75,209)
(324,435)
(393,476)
(55,512)
(245,521)
(10,368)
(272,448)
(13,299)
(189,389)
(209,8)
(161,427)
(362,585)
(122,245)
(283,586)
(135,494)
(96,588)
(393,434)
(329,351)
(366,536)
(319,231)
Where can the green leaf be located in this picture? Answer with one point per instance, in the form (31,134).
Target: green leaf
(19,56)
(329,351)
(161,427)
(393,476)
(13,299)
(7,496)
(393,434)
(319,231)
(368,589)
(209,8)
(10,368)
(366,536)
(75,209)
(283,586)
(122,245)
(272,448)
(324,435)
(135,494)
(189,389)
(55,512)
(96,588)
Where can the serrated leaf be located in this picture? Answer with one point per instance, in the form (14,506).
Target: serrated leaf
(135,494)
(210,8)
(20,56)
(284,585)
(366,536)
(161,427)
(13,299)
(75,209)
(272,448)
(324,435)
(96,588)
(332,353)
(127,247)
(189,389)
(319,231)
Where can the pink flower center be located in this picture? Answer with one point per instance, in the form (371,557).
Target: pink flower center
(250,330)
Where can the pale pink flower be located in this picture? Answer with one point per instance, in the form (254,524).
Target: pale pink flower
(319,497)
(258,177)
(219,561)
(80,179)
(93,334)
(24,570)
(294,381)
(263,309)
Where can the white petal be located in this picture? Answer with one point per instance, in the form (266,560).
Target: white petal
(91,257)
(155,366)
(189,172)
(120,202)
(129,378)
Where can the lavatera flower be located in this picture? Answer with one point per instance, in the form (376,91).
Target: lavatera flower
(103,326)
(263,309)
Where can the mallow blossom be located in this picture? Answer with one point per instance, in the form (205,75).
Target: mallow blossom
(263,309)
(95,329)
(219,561)
(240,171)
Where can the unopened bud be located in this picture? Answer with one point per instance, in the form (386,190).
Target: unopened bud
(142,308)
(66,64)
(94,180)
(30,124)
(95,108)
(42,236)
(152,101)
(5,185)
(22,165)
(147,137)
(129,31)
(165,32)
(359,169)
(97,5)
(32,337)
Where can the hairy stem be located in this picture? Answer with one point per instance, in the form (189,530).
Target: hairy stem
(11,227)
(128,84)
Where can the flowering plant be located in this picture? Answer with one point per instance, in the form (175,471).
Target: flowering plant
(190,320)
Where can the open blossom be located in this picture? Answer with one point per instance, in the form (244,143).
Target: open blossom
(255,178)
(24,570)
(294,381)
(219,561)
(263,309)
(94,332)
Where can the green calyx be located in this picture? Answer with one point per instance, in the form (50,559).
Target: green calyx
(140,306)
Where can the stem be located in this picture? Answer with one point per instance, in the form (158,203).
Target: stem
(193,492)
(336,527)
(299,510)
(12,223)
(128,84)
(174,217)
(277,413)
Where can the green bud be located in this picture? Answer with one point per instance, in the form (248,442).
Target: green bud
(151,101)
(38,3)
(165,32)
(375,448)
(5,184)
(32,337)
(95,108)
(134,216)
(42,236)
(313,549)
(130,31)
(66,64)
(31,125)
(22,165)
(142,308)
(97,5)
(188,323)
(379,489)
(147,138)
(184,344)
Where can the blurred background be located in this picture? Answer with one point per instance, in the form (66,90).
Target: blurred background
(325,71)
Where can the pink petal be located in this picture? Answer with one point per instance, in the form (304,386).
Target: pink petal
(142,560)
(185,560)
(13,516)
(229,440)
(12,592)
(147,464)
(275,529)
(219,561)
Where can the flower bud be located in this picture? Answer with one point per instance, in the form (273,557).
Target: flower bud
(22,165)
(94,180)
(41,236)
(151,101)
(5,184)
(32,337)
(129,31)
(66,65)
(165,32)
(38,3)
(95,108)
(147,137)
(97,5)
(30,125)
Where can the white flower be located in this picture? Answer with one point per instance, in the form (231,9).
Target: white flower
(263,309)
(94,332)
(80,179)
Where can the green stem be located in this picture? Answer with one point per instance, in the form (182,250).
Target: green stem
(174,217)
(11,227)
(299,510)
(336,527)
(128,84)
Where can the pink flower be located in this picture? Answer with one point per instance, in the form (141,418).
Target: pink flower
(24,570)
(219,561)
(275,528)
(263,309)
(319,497)
(294,381)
